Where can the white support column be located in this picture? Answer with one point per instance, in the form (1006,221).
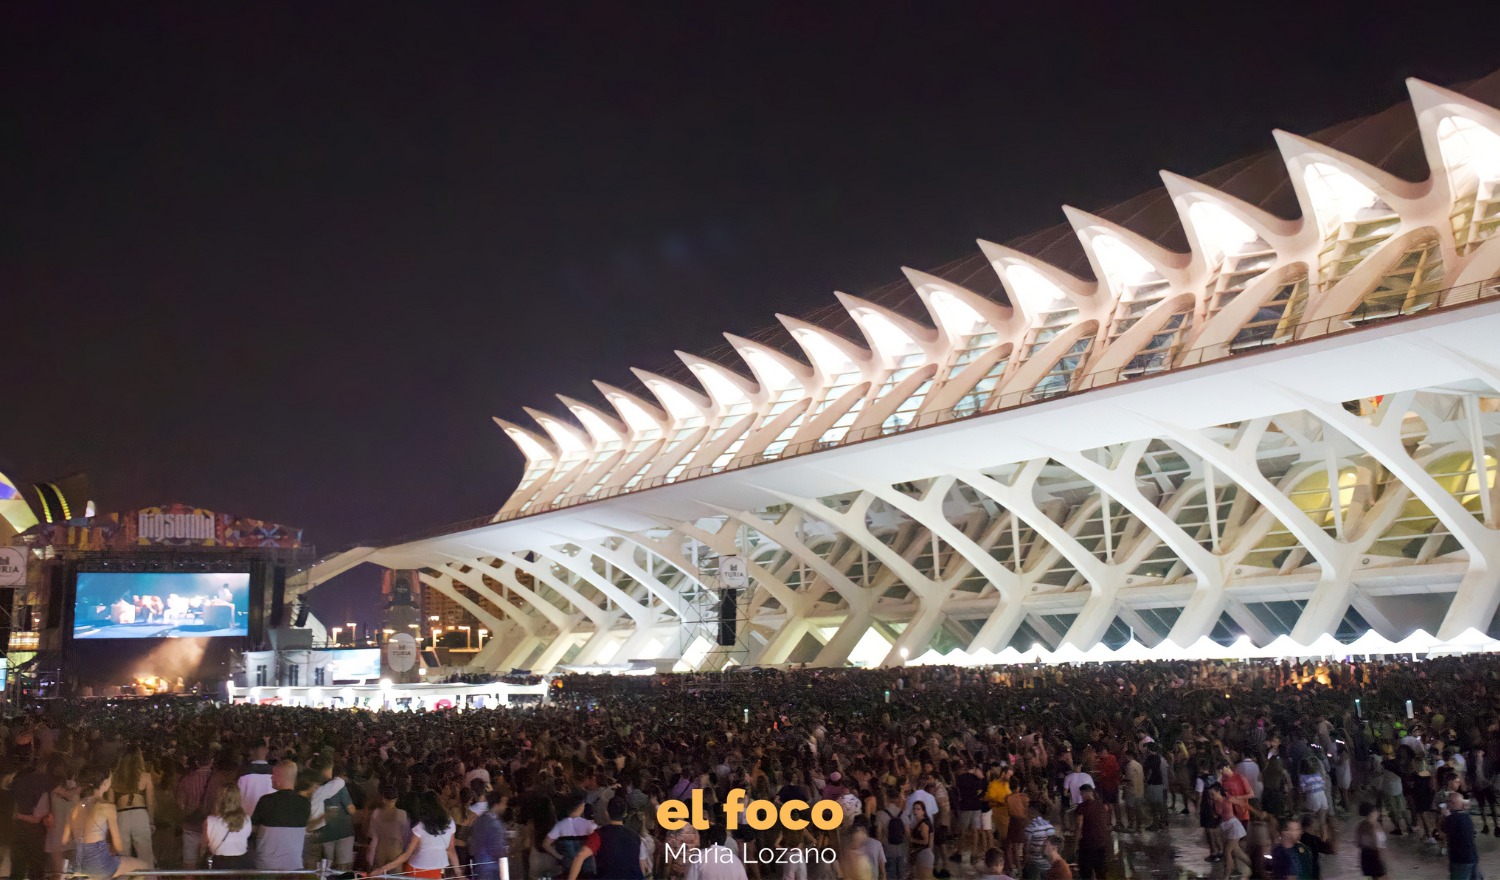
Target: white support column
(444,584)
(1478,593)
(930,595)
(1375,617)
(1104,580)
(786,636)
(1045,630)
(1139,627)
(1248,622)
(665,595)
(1330,598)
(644,617)
(858,599)
(928,512)
(603,620)
(836,650)
(1207,602)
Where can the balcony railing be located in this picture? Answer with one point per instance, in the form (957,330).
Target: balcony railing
(1352,322)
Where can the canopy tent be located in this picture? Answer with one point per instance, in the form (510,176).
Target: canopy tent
(1471,641)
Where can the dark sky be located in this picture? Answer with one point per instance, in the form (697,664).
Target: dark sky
(287,260)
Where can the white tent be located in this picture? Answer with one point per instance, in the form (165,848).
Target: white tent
(1283,646)
(1372,643)
(931,658)
(1067,653)
(1470,641)
(1010,655)
(1134,650)
(1326,645)
(1419,642)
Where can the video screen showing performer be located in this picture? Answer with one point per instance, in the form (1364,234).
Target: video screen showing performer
(161,605)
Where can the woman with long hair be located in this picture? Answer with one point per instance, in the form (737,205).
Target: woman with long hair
(432,847)
(921,837)
(134,796)
(226,832)
(94,831)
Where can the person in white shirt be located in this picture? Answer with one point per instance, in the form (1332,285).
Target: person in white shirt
(1251,771)
(1074,783)
(256,781)
(478,773)
(716,861)
(570,833)
(226,832)
(925,797)
(432,847)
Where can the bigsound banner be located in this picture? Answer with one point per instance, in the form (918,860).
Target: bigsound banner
(169,525)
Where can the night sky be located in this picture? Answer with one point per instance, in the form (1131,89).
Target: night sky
(287,260)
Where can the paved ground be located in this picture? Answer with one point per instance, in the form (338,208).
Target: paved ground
(1181,854)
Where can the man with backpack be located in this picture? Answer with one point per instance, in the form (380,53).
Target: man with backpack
(890,830)
(615,850)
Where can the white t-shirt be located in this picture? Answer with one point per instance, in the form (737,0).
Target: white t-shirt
(719,863)
(223,842)
(1074,783)
(572,826)
(927,800)
(432,852)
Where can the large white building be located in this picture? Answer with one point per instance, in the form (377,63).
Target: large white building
(1266,402)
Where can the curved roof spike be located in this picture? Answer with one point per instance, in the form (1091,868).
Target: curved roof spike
(1299,152)
(774,369)
(954,307)
(1185,189)
(1426,97)
(533,447)
(1441,116)
(639,413)
(887,332)
(1032,284)
(723,385)
(677,399)
(827,350)
(568,438)
(1088,226)
(600,426)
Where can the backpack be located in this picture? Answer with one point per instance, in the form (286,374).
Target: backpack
(895,829)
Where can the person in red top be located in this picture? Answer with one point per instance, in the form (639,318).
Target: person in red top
(1238,789)
(1109,778)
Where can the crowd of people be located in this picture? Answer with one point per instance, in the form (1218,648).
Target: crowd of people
(1022,771)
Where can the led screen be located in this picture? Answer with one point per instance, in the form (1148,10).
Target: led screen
(353,664)
(161,605)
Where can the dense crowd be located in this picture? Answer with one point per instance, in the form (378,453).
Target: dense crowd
(1011,771)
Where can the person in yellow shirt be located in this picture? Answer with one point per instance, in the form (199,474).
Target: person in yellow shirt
(996,793)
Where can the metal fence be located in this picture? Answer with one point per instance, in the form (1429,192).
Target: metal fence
(1321,328)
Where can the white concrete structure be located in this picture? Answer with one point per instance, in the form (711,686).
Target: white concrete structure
(1277,427)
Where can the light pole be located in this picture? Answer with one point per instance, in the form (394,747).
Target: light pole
(336,631)
(483,634)
(353,636)
(468,640)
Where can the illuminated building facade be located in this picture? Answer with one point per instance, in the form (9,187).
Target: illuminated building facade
(1264,402)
